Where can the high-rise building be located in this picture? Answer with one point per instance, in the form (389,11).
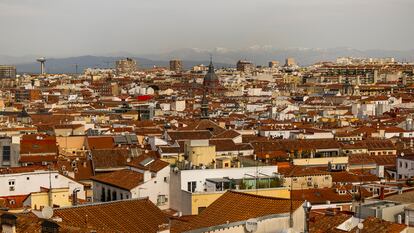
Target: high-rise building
(125,66)
(290,61)
(176,65)
(273,64)
(7,71)
(244,66)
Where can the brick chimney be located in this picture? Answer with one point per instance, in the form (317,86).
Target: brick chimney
(8,223)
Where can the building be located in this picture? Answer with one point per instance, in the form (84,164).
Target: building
(176,65)
(244,66)
(290,61)
(9,151)
(193,190)
(7,71)
(145,177)
(211,80)
(301,177)
(273,64)
(29,180)
(405,166)
(125,66)
(235,212)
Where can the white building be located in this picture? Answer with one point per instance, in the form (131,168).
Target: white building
(144,177)
(27,182)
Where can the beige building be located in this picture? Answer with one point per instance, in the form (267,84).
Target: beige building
(176,65)
(199,152)
(301,177)
(127,65)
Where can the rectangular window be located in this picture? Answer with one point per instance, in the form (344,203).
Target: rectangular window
(161,200)
(191,186)
(6,153)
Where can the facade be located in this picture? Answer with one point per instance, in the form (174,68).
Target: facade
(9,151)
(7,72)
(33,181)
(125,66)
(147,178)
(244,66)
(273,64)
(290,61)
(193,190)
(176,65)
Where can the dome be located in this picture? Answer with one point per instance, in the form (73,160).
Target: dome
(211,80)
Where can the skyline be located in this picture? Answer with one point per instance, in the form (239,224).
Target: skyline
(72,28)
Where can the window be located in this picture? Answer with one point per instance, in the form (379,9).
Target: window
(201,208)
(161,200)
(6,153)
(309,178)
(113,195)
(406,165)
(11,185)
(191,186)
(103,194)
(400,164)
(165,179)
(108,197)
(27,178)
(121,196)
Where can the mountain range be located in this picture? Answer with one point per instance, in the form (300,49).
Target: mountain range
(223,57)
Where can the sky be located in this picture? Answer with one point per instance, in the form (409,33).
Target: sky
(104,27)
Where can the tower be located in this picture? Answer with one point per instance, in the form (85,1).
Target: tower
(204,106)
(42,61)
(211,80)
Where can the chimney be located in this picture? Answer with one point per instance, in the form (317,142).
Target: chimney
(381,197)
(75,196)
(307,208)
(49,227)
(8,223)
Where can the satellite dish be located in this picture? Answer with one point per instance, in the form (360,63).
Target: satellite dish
(47,212)
(360,226)
(251,225)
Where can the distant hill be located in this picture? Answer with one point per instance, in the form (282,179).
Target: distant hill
(259,55)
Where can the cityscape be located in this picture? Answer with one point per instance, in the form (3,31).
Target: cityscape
(258,139)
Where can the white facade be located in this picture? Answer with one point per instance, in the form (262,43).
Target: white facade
(405,167)
(200,176)
(155,186)
(28,182)
(178,105)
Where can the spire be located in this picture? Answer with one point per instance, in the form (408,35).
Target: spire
(211,66)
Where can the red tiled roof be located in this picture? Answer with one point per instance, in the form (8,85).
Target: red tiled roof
(134,215)
(124,179)
(235,206)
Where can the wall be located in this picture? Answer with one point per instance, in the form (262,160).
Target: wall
(320,161)
(301,182)
(26,183)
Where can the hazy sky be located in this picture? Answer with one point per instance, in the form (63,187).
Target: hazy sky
(79,27)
